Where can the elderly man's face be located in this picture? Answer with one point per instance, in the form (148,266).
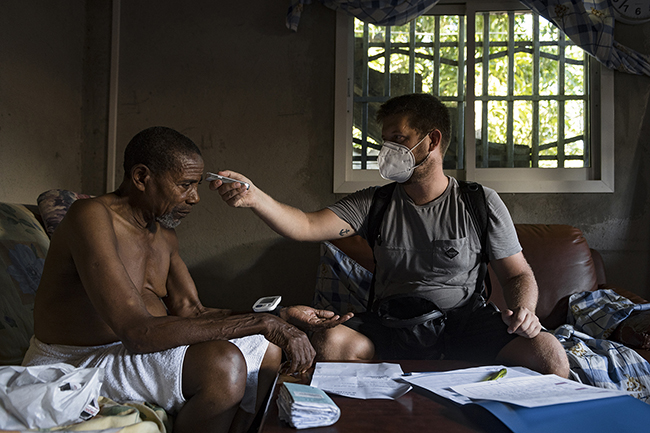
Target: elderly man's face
(179,190)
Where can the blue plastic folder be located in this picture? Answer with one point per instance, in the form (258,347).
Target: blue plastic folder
(614,414)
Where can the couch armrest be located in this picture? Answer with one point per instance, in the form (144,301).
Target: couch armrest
(629,295)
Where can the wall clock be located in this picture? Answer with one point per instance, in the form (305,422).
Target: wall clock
(631,11)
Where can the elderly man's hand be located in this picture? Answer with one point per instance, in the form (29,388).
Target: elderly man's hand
(293,341)
(310,319)
(522,321)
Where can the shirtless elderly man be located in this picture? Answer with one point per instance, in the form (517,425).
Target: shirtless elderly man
(116,294)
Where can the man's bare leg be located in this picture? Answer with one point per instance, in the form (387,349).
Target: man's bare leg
(342,344)
(544,354)
(268,371)
(214,381)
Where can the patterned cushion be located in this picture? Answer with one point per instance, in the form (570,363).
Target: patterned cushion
(54,204)
(23,246)
(342,284)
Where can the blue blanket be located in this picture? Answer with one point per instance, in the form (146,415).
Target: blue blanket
(592,317)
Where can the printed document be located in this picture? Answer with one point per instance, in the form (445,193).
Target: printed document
(535,391)
(360,380)
(440,382)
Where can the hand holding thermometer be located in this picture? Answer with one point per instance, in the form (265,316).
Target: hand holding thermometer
(213,176)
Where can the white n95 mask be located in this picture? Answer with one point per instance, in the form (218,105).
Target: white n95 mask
(396,161)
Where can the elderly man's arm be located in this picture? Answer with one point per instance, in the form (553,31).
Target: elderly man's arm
(183,301)
(521,293)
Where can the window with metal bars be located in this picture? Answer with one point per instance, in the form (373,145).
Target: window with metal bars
(532,104)
(528,99)
(426,55)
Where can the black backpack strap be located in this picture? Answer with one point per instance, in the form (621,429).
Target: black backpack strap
(473,196)
(378,207)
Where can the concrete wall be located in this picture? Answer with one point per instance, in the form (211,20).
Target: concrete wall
(258,99)
(41,70)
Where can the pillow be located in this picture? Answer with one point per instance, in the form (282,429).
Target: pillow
(23,247)
(634,331)
(54,204)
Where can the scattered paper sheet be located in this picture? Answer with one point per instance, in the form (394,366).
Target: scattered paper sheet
(440,382)
(359,380)
(535,391)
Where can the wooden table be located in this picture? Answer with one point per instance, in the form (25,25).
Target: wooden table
(413,412)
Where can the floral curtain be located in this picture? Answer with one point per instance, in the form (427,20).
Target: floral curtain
(589,23)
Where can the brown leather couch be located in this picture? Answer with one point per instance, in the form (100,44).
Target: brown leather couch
(562,262)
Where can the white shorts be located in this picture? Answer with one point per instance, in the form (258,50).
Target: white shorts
(152,377)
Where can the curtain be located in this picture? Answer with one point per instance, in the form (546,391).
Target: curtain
(378,12)
(588,23)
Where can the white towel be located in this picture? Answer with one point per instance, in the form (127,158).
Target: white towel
(152,377)
(253,348)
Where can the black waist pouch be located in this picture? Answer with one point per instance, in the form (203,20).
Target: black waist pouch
(416,321)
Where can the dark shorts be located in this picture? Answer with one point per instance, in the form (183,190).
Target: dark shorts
(478,337)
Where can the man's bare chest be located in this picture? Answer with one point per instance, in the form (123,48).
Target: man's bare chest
(147,263)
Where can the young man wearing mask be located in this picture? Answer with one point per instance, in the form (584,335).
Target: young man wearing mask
(428,254)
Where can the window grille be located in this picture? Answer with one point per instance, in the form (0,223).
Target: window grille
(535,74)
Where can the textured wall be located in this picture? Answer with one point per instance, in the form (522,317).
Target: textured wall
(41,55)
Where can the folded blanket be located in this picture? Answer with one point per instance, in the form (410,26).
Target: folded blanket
(592,318)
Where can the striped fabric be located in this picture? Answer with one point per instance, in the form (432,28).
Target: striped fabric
(590,24)
(342,284)
(378,12)
(592,317)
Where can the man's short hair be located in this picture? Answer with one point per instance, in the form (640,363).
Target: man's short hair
(425,113)
(159,148)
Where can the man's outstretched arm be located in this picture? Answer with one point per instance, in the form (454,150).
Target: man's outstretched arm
(285,220)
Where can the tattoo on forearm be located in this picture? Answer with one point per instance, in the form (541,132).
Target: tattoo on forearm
(344,232)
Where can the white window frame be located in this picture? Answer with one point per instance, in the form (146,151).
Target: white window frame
(599,178)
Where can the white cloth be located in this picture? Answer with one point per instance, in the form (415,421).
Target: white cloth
(253,348)
(152,377)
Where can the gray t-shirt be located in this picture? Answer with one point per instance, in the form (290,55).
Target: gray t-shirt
(432,249)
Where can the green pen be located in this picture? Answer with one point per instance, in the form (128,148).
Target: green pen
(496,375)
